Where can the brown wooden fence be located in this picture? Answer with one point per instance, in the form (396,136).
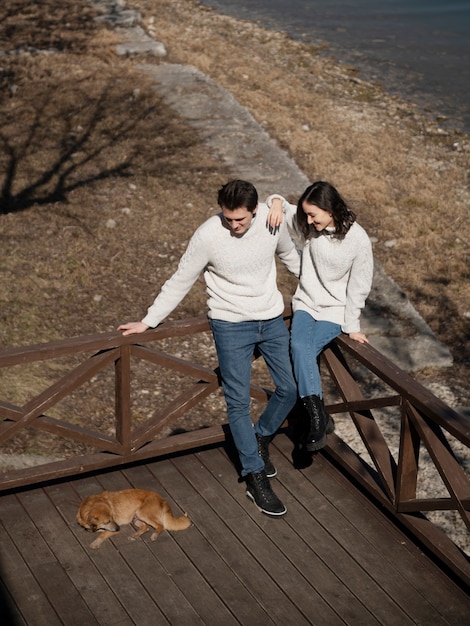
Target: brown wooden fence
(363,386)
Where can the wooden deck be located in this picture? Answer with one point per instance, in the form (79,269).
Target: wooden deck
(335,558)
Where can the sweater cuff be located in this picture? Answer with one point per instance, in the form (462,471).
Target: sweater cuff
(272,197)
(150,321)
(353,327)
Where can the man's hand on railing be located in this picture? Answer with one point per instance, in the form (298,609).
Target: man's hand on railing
(132,328)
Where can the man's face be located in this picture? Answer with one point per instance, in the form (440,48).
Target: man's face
(238,220)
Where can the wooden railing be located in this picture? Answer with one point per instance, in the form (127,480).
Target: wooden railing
(388,470)
(423,424)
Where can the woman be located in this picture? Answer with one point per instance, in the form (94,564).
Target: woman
(335,280)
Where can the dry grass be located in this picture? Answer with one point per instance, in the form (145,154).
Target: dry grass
(407,180)
(101,185)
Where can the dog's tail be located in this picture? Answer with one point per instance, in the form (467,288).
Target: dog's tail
(170,522)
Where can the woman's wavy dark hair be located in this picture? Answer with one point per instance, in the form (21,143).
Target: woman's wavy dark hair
(326,197)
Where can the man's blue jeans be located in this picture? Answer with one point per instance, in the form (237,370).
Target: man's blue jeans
(308,338)
(235,344)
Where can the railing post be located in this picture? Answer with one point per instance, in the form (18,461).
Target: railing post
(408,459)
(123,398)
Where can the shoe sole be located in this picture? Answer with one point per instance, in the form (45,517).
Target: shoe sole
(273,474)
(270,513)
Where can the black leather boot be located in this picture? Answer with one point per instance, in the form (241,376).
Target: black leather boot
(263,451)
(316,437)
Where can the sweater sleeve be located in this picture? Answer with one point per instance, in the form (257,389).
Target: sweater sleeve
(359,285)
(288,209)
(287,251)
(173,291)
(290,212)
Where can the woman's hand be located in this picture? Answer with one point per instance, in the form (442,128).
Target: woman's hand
(360,337)
(275,215)
(132,328)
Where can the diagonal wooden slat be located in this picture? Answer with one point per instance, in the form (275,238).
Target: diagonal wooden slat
(445,462)
(73,432)
(174,363)
(171,412)
(57,392)
(364,421)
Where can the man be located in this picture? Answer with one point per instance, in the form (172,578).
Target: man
(236,252)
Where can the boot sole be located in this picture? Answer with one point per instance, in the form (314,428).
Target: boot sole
(270,513)
(312,446)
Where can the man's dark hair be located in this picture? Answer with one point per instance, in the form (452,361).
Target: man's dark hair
(236,194)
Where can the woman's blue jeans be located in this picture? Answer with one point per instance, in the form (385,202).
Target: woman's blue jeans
(235,344)
(308,338)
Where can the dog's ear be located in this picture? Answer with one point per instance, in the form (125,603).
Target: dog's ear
(99,514)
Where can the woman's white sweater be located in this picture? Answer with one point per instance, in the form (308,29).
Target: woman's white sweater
(336,274)
(240,272)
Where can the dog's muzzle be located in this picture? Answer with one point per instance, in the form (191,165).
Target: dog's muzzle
(111,526)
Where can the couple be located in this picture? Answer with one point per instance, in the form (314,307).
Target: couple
(236,251)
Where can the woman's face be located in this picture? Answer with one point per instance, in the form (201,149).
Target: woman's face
(317,217)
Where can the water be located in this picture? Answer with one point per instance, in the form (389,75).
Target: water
(416,49)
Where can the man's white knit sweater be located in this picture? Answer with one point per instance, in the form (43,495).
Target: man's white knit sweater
(240,272)
(336,275)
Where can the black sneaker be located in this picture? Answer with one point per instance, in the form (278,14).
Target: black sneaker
(258,488)
(263,451)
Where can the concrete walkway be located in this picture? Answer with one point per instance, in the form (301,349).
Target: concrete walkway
(391,322)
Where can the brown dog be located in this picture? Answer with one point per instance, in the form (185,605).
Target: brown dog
(105,512)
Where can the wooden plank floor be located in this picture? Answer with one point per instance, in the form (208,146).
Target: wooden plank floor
(333,559)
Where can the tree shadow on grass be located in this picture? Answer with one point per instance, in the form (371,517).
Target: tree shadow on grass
(60,25)
(70,115)
(73,133)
